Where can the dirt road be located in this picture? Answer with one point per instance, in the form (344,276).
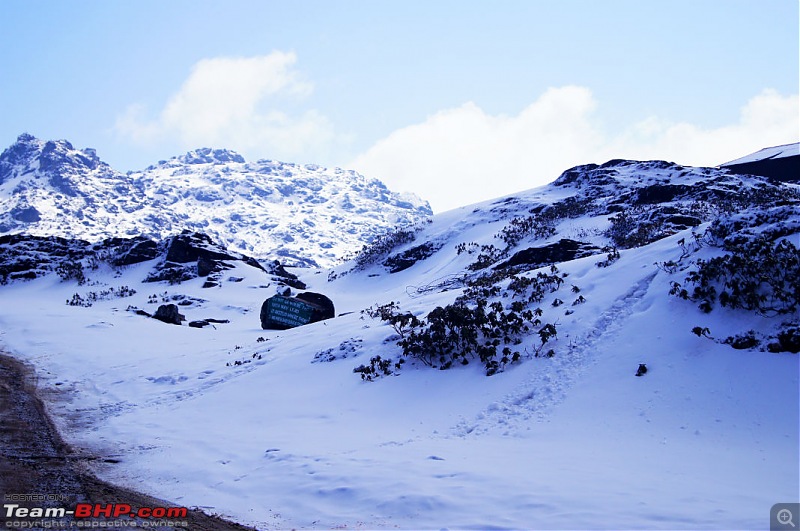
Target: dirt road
(38,470)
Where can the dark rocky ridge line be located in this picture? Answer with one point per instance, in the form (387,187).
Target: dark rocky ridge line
(643,201)
(182,257)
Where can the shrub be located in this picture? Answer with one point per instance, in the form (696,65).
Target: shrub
(469,248)
(787,339)
(408,258)
(94,296)
(612,256)
(472,327)
(571,207)
(382,246)
(489,254)
(71,271)
(634,228)
(535,288)
(377,367)
(743,341)
(400,322)
(757,275)
(540,226)
(77,300)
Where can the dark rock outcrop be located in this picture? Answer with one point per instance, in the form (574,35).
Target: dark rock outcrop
(169,313)
(190,246)
(206,266)
(194,254)
(561,251)
(402,261)
(134,250)
(26,214)
(139,311)
(28,257)
(660,193)
(283,277)
(786,169)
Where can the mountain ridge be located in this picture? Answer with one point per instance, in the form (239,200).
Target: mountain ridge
(779,162)
(625,336)
(301,214)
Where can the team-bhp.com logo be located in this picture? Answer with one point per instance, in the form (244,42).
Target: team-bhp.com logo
(87,515)
(111,510)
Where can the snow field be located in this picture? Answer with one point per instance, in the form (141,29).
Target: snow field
(708,438)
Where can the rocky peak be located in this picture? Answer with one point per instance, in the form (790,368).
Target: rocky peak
(606,173)
(56,155)
(19,154)
(302,214)
(210,156)
(56,160)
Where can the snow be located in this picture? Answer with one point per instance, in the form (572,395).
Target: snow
(775,152)
(707,439)
(252,207)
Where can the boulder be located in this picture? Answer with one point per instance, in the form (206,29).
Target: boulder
(138,311)
(325,306)
(206,266)
(280,312)
(169,313)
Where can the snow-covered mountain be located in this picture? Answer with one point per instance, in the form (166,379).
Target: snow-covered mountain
(638,319)
(301,214)
(779,162)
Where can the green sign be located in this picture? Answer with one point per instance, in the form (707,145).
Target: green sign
(288,312)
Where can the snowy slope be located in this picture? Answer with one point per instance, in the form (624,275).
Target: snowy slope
(290,437)
(301,214)
(778,162)
(774,152)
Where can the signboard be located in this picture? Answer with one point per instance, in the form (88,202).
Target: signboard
(287,311)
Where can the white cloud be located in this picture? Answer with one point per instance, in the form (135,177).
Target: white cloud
(768,119)
(234,102)
(455,157)
(463,155)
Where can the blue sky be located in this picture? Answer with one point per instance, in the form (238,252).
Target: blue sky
(457,101)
